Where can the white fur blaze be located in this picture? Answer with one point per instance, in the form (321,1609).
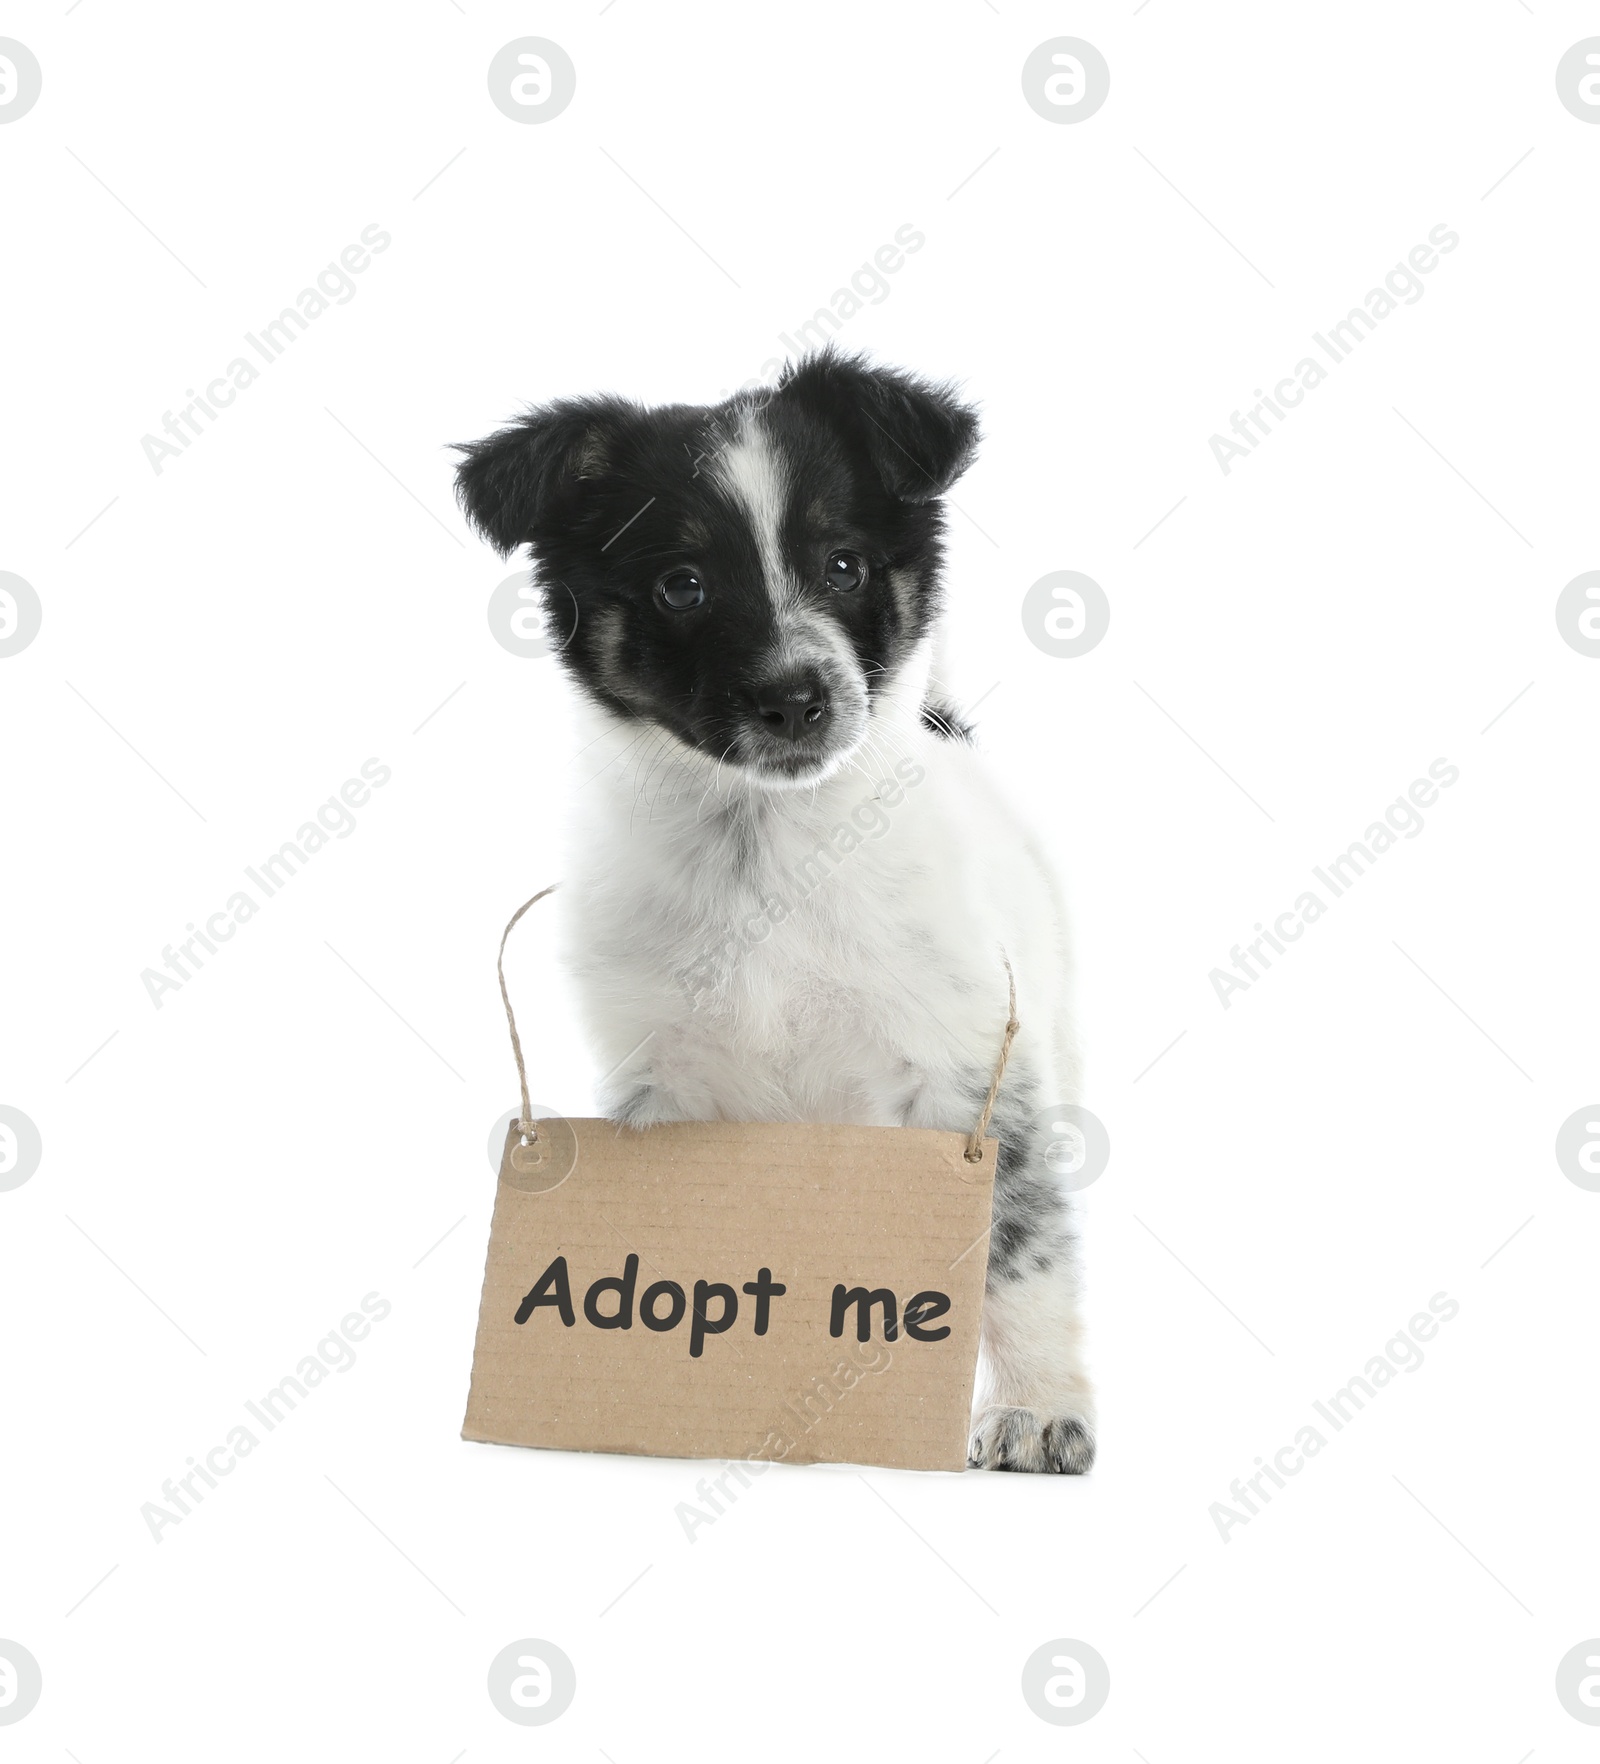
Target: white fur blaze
(751,472)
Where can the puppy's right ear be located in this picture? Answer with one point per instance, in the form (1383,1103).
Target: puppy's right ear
(527,480)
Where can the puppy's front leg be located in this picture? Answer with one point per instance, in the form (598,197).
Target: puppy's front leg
(645,1091)
(1035,1405)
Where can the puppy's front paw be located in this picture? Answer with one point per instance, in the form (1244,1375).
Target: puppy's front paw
(1022,1439)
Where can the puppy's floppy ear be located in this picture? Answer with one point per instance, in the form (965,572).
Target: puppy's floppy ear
(918,435)
(526,480)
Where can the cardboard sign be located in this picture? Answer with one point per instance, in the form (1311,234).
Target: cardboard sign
(720,1289)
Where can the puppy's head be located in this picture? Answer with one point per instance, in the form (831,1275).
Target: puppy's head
(749,576)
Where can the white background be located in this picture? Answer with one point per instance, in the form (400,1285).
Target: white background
(1289,649)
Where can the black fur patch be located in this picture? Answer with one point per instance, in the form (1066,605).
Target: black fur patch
(1032,1229)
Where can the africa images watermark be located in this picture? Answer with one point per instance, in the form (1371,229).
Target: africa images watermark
(810,1406)
(333,285)
(869,286)
(334,820)
(1401,819)
(181,1494)
(1403,283)
(869,819)
(1401,1353)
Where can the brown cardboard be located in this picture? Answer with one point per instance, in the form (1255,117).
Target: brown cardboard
(819,1206)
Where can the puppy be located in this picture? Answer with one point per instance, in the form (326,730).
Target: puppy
(796,886)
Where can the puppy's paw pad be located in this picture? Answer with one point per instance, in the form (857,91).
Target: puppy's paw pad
(1020,1439)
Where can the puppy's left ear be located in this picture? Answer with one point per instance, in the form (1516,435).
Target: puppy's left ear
(919,435)
(526,482)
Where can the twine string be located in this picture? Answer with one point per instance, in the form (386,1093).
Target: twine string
(525,1124)
(529,1132)
(974,1151)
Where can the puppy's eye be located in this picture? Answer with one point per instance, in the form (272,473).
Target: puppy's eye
(681,589)
(846,571)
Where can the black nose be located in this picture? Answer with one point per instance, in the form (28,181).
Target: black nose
(793,707)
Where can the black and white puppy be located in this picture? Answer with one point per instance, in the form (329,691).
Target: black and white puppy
(794,878)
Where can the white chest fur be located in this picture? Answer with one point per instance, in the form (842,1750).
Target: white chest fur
(834,953)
